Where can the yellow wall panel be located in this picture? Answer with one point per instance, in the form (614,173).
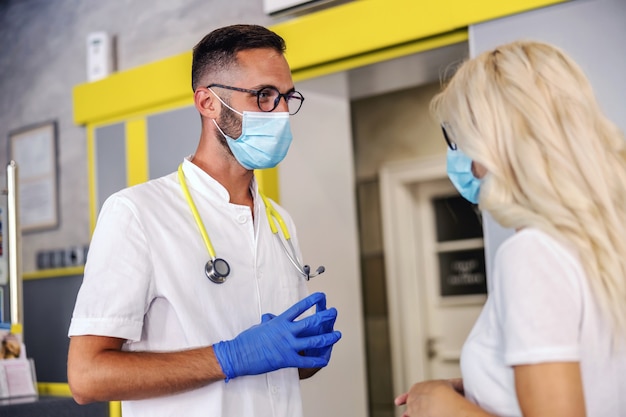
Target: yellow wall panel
(268,182)
(136,151)
(125,92)
(386,54)
(91,176)
(365,26)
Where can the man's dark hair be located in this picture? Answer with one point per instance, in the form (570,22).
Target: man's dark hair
(218,50)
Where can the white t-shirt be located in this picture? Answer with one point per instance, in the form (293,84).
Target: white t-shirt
(540,309)
(145,282)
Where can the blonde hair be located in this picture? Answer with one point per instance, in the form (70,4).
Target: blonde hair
(527,113)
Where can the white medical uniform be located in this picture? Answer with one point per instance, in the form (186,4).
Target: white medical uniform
(540,309)
(145,282)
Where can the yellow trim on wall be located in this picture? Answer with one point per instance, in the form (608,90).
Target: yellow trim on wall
(398,51)
(145,112)
(54,273)
(362,27)
(142,87)
(343,32)
(115,409)
(17,328)
(56,389)
(136,151)
(91,176)
(61,389)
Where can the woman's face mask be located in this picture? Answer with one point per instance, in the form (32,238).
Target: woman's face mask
(459,167)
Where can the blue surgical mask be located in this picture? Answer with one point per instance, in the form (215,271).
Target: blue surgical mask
(459,168)
(264,140)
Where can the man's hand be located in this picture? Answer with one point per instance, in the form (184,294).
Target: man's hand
(277,341)
(325,327)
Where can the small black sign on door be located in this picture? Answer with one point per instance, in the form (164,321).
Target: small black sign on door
(462,273)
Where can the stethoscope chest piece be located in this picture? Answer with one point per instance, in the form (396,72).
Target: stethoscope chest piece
(217,270)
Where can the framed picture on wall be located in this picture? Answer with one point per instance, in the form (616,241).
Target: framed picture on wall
(34,150)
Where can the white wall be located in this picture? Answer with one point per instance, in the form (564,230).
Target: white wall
(317,187)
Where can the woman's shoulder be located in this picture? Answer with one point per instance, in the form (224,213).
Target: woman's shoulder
(535,240)
(535,246)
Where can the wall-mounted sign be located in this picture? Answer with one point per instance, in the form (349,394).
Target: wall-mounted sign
(462,273)
(100,55)
(34,150)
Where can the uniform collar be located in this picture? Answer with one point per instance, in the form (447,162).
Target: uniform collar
(208,186)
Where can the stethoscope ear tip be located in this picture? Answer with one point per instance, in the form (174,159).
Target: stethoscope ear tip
(307,271)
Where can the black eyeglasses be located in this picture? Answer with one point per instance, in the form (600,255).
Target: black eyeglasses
(451,143)
(268,98)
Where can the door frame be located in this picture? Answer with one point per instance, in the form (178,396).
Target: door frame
(401,246)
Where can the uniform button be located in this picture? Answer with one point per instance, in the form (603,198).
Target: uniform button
(241,219)
(274,389)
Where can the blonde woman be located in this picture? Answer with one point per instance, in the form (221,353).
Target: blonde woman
(528,142)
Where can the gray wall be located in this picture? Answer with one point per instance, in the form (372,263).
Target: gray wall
(43,56)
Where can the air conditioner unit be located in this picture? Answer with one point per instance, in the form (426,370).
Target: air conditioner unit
(275,7)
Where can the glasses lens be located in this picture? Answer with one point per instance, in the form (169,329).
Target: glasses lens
(294,101)
(268,98)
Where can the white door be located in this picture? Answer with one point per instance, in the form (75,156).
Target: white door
(449,238)
(435,268)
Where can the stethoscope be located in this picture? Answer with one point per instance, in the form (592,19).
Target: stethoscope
(217,269)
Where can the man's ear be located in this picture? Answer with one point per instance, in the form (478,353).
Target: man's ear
(206,103)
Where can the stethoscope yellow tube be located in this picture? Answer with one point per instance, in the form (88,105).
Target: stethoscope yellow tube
(217,269)
(272,214)
(194,211)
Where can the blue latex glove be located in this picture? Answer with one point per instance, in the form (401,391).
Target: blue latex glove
(326,327)
(275,343)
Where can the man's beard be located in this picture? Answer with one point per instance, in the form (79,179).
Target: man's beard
(230,123)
